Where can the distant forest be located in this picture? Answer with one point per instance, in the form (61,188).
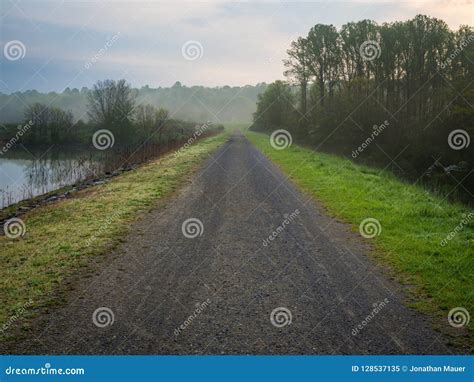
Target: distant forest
(397,95)
(196,103)
(113,116)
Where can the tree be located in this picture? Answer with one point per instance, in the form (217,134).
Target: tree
(324,53)
(49,124)
(274,108)
(111,106)
(38,114)
(298,69)
(415,75)
(60,124)
(151,120)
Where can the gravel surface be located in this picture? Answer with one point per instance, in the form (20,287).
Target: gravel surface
(215,293)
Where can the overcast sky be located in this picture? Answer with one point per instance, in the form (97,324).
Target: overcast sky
(156,43)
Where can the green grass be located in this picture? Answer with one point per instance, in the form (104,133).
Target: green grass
(413,223)
(63,237)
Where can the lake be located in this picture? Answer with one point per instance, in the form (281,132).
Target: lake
(28,173)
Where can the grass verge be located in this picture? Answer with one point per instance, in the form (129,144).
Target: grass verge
(62,237)
(413,224)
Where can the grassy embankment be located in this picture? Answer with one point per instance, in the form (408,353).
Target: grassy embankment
(63,237)
(413,223)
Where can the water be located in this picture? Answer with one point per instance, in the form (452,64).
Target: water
(24,175)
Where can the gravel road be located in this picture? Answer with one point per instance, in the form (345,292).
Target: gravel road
(310,289)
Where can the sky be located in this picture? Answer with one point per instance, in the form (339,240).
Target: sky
(52,45)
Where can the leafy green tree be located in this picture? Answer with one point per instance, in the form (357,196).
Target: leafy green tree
(324,54)
(298,69)
(416,75)
(275,108)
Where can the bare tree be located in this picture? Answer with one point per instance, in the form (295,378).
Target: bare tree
(111,105)
(151,120)
(49,124)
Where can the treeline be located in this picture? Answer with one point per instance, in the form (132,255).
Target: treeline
(196,103)
(111,105)
(398,95)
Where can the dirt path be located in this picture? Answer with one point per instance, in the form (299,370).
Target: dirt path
(231,282)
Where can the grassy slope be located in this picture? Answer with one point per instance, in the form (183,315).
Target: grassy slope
(413,223)
(58,235)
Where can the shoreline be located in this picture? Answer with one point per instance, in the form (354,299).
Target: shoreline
(23,206)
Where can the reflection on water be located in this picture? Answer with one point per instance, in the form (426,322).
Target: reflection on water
(24,175)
